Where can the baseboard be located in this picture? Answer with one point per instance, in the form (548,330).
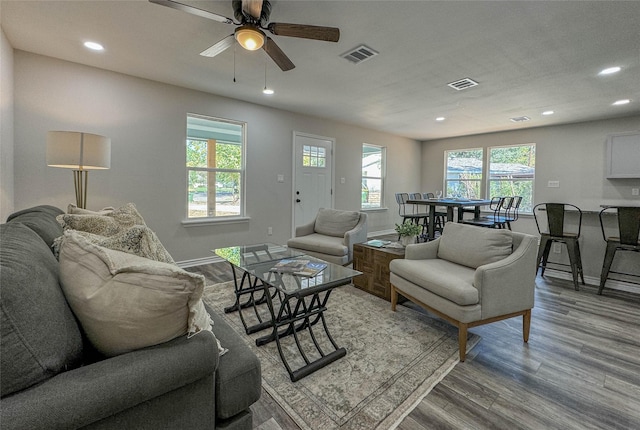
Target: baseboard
(593,281)
(199,261)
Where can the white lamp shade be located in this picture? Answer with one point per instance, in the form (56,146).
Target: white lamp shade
(77,150)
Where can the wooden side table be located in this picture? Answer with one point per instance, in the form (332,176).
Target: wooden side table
(374,264)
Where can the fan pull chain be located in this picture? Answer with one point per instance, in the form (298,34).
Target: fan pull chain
(234,62)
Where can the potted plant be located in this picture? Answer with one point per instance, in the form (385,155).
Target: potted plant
(408,232)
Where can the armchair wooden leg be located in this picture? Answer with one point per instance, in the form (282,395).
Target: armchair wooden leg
(462,340)
(394,298)
(526,325)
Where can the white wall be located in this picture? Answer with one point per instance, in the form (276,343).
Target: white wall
(572,154)
(6,127)
(146,122)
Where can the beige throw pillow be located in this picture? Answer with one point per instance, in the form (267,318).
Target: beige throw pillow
(125,302)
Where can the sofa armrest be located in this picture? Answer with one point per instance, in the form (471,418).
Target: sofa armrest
(508,285)
(357,234)
(422,251)
(305,229)
(87,394)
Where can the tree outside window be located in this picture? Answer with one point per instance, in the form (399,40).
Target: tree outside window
(373,161)
(215,167)
(512,172)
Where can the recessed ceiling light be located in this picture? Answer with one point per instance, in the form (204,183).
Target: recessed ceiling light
(440,118)
(548,112)
(94,46)
(621,102)
(610,70)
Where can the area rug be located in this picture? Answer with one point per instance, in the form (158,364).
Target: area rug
(393,360)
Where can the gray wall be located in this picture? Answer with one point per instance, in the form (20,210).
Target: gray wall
(146,122)
(6,127)
(573,154)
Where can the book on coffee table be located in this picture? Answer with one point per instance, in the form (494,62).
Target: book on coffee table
(304,268)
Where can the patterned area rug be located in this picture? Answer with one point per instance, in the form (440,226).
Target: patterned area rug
(393,360)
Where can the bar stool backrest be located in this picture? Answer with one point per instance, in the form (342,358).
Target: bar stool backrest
(628,224)
(555,214)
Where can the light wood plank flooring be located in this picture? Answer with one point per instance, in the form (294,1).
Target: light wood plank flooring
(580,369)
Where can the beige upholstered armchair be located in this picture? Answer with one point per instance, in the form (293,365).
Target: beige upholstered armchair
(469,276)
(331,235)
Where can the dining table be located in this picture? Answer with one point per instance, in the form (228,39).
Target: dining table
(450,204)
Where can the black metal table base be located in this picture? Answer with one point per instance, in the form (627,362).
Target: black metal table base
(249,287)
(296,315)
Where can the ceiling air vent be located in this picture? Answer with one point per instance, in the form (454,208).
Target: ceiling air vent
(463,84)
(359,54)
(520,119)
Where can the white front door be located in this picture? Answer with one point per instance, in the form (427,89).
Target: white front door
(313,176)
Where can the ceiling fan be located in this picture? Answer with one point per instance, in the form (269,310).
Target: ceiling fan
(252,17)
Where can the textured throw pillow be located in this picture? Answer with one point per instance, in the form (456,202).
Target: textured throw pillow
(473,246)
(73,209)
(332,222)
(125,302)
(109,224)
(138,240)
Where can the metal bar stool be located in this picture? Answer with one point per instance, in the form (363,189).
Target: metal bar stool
(557,230)
(627,239)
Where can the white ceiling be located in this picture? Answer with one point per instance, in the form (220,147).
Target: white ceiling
(528,56)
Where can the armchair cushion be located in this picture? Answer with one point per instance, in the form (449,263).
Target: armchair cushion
(332,222)
(472,246)
(320,243)
(441,277)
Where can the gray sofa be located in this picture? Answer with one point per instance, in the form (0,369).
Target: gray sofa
(52,378)
(470,276)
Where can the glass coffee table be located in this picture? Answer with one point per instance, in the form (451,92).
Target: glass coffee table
(295,303)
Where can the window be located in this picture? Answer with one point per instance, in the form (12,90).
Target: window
(215,167)
(463,173)
(314,156)
(512,171)
(373,160)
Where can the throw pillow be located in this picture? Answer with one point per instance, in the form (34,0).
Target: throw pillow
(125,302)
(138,240)
(73,209)
(473,246)
(109,224)
(332,222)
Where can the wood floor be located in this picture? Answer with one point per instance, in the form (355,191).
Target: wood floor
(580,369)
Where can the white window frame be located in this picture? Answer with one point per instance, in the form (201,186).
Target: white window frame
(241,216)
(381,178)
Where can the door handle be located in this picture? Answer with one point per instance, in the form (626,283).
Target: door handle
(297,200)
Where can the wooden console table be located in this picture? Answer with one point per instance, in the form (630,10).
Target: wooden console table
(374,264)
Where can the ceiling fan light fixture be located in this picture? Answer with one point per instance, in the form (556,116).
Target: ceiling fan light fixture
(249,37)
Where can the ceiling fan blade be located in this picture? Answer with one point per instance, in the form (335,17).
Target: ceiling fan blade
(218,47)
(193,10)
(328,34)
(277,55)
(253,8)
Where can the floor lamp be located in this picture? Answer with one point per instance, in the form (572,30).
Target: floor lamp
(81,152)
